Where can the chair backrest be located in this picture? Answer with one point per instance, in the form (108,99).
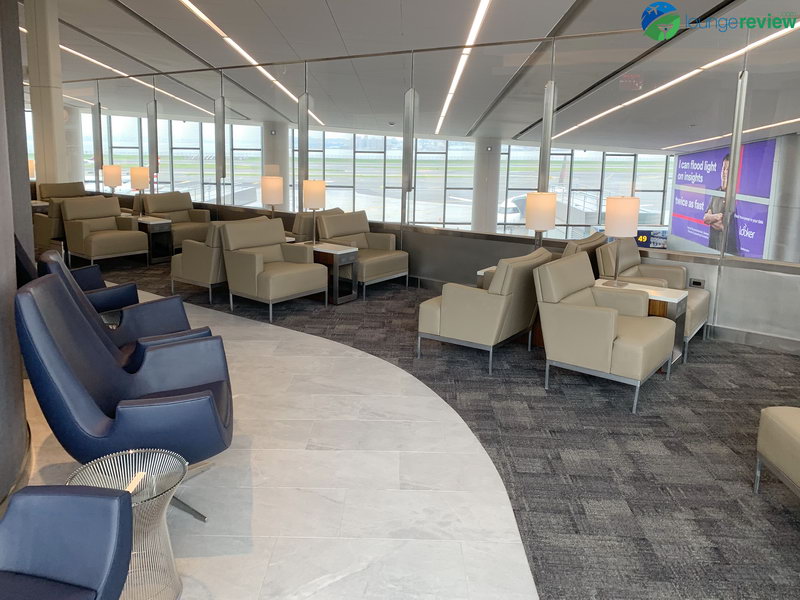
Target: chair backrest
(304,221)
(252,233)
(172,205)
(514,278)
(39,536)
(587,244)
(628,256)
(349,227)
(99,211)
(61,190)
(52,263)
(568,278)
(214,234)
(76,380)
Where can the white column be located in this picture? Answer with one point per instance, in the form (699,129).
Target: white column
(275,151)
(74,143)
(485,181)
(47,106)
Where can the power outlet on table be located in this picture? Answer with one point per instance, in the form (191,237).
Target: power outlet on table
(697,283)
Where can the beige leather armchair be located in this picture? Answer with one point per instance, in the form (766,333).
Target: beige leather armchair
(484,318)
(378,259)
(201,263)
(262,266)
(304,224)
(779,446)
(50,226)
(589,245)
(632,269)
(188,223)
(599,331)
(95,229)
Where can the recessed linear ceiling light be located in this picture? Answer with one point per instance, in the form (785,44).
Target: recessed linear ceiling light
(243,53)
(727,135)
(480,15)
(684,77)
(66,96)
(122,73)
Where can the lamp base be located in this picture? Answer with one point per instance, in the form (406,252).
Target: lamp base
(615,283)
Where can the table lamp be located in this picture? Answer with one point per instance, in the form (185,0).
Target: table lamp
(540,213)
(314,199)
(112,176)
(140,181)
(271,192)
(622,220)
(31,169)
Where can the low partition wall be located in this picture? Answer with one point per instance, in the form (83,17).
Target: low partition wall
(754,301)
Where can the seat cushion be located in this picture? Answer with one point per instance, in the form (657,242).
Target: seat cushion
(779,440)
(642,344)
(26,587)
(188,230)
(376,264)
(109,243)
(697,304)
(280,280)
(430,316)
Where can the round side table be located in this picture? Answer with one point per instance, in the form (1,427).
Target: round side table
(152,477)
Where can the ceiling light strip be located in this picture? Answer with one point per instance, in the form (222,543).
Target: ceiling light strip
(751,130)
(244,54)
(684,77)
(477,22)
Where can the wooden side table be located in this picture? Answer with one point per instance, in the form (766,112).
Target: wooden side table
(335,256)
(159,238)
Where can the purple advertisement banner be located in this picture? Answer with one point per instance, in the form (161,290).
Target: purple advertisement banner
(698,215)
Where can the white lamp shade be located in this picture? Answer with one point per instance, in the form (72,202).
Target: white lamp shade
(540,211)
(271,190)
(140,178)
(31,169)
(313,194)
(622,216)
(112,175)
(272,170)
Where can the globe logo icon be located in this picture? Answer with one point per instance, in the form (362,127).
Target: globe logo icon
(660,21)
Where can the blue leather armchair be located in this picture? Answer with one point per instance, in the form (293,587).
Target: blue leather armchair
(145,324)
(65,543)
(178,399)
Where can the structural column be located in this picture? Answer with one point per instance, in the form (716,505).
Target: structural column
(74,143)
(47,105)
(275,151)
(486,183)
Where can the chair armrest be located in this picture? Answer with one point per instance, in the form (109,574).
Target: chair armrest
(200,215)
(74,534)
(127,223)
(115,297)
(89,278)
(472,314)
(157,317)
(76,232)
(651,281)
(142,344)
(488,275)
(631,303)
(297,253)
(243,269)
(579,335)
(185,364)
(675,275)
(381,241)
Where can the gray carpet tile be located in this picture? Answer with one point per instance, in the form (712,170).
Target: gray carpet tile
(610,505)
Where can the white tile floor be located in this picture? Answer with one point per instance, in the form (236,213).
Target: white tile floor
(347,479)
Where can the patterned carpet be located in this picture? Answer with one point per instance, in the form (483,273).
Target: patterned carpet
(610,505)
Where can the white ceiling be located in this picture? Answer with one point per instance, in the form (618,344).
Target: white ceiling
(367,93)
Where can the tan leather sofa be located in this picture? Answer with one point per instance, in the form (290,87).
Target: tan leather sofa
(484,318)
(589,245)
(632,269)
(95,229)
(50,226)
(599,331)
(378,258)
(778,446)
(303,225)
(188,223)
(261,266)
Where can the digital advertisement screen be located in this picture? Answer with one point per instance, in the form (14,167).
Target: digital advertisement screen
(698,205)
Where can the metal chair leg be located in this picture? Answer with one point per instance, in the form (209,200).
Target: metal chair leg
(757,479)
(270,312)
(636,396)
(210,295)
(546,374)
(530,338)
(705,331)
(365,290)
(230,296)
(326,297)
(406,280)
(685,351)
(419,346)
(669,367)
(172,286)
(491,355)
(181,505)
